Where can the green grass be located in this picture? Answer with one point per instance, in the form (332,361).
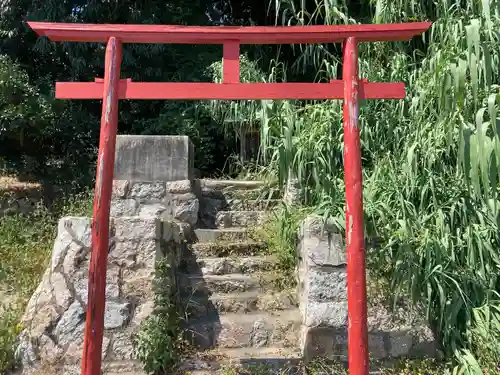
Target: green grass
(320,367)
(279,231)
(25,247)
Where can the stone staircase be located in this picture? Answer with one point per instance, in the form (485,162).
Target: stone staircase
(235,312)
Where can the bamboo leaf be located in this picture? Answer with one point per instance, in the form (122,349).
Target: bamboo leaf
(487,62)
(473,69)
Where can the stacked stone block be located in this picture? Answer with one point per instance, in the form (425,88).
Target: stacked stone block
(54,321)
(169,200)
(151,219)
(323,304)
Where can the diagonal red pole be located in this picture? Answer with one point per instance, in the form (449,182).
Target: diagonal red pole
(94,328)
(356,268)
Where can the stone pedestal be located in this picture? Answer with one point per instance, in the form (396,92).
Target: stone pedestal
(152,210)
(323,304)
(323,294)
(149,158)
(54,320)
(153,178)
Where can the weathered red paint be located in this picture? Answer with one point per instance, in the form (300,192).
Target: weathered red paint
(356,272)
(231,62)
(226,91)
(78,32)
(94,328)
(111,89)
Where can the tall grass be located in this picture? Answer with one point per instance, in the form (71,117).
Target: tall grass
(25,246)
(431,161)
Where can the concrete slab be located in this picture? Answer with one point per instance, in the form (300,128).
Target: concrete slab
(153,158)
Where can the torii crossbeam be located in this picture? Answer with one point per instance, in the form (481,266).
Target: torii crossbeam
(111,89)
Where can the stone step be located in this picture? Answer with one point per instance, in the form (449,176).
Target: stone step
(225,249)
(217,235)
(245,358)
(230,219)
(225,189)
(245,302)
(246,330)
(252,204)
(200,285)
(209,184)
(227,265)
(251,194)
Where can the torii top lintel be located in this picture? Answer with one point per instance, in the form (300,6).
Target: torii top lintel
(75,32)
(231,38)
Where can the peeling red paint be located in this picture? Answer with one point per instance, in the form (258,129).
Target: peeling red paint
(99,178)
(110,94)
(349,229)
(356,269)
(94,328)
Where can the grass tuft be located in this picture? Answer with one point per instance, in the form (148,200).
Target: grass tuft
(25,247)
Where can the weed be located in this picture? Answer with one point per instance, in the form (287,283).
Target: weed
(25,247)
(323,367)
(159,344)
(279,231)
(9,329)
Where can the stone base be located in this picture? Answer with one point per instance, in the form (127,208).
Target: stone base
(323,305)
(331,342)
(168,200)
(54,320)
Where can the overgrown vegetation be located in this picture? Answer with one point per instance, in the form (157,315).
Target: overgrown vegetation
(159,344)
(320,367)
(279,232)
(25,246)
(55,140)
(9,329)
(431,161)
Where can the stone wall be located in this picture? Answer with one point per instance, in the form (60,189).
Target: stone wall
(54,320)
(152,210)
(323,304)
(164,199)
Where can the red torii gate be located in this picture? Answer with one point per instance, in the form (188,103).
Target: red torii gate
(111,89)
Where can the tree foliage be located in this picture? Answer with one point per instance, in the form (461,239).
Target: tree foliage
(42,62)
